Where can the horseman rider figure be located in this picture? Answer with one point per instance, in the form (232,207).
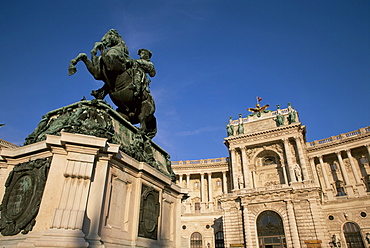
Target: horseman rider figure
(125,80)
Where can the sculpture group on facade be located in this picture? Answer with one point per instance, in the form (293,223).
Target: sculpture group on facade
(125,79)
(281,116)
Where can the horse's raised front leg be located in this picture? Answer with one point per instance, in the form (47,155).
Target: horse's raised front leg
(72,65)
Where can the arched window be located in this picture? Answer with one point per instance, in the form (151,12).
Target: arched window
(196,240)
(352,234)
(269,160)
(269,170)
(219,240)
(340,189)
(270,230)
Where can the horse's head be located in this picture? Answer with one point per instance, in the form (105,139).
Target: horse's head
(111,38)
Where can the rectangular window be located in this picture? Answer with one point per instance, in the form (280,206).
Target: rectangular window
(340,191)
(197,206)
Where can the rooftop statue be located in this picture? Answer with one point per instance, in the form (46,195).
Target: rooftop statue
(125,79)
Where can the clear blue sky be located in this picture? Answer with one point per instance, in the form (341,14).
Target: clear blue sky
(212,59)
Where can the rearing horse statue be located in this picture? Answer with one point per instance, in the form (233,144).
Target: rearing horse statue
(125,80)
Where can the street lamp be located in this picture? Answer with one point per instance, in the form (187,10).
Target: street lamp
(335,242)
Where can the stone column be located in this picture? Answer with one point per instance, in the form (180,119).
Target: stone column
(345,176)
(203,194)
(367,157)
(247,226)
(284,173)
(245,168)
(359,185)
(188,181)
(355,172)
(326,180)
(254,179)
(224,182)
(301,158)
(292,224)
(328,188)
(234,169)
(180,179)
(288,156)
(239,169)
(202,190)
(343,168)
(210,195)
(314,171)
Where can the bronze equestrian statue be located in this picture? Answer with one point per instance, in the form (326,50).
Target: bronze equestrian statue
(125,80)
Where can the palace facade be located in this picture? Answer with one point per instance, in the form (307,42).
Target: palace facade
(275,190)
(278,190)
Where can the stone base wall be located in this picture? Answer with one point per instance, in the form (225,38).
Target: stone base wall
(233,223)
(93,196)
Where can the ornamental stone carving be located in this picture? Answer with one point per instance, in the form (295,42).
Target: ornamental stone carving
(22,198)
(149,212)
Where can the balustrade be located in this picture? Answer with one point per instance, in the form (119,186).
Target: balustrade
(361,131)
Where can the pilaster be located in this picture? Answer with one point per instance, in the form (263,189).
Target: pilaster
(245,168)
(360,186)
(67,221)
(210,195)
(247,225)
(314,171)
(328,189)
(288,156)
(292,224)
(96,199)
(301,158)
(234,169)
(224,182)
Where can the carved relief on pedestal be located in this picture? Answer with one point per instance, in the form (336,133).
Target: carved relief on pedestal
(149,212)
(22,198)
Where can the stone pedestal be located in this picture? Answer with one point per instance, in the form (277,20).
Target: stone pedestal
(88,191)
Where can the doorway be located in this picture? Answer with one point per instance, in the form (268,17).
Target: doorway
(270,230)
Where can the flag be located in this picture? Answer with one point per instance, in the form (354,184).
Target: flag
(259,99)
